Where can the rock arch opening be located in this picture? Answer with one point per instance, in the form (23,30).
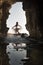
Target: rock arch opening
(17,15)
(34,16)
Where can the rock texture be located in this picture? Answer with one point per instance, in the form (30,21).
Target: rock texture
(34,20)
(34,16)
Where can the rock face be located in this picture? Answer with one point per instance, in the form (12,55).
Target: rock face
(34,16)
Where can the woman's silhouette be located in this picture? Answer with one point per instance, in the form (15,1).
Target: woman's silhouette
(16,28)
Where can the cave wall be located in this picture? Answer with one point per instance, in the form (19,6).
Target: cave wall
(34,15)
(4,13)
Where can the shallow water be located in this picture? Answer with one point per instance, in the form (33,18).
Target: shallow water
(15,55)
(20,53)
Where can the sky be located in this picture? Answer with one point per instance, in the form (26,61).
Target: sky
(17,15)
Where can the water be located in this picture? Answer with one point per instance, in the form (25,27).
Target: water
(16,53)
(15,39)
(12,53)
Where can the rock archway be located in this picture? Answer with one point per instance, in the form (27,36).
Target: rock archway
(34,16)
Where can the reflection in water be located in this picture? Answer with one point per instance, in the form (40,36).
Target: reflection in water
(21,54)
(18,46)
(15,56)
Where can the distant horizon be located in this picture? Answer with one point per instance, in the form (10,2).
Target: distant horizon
(16,14)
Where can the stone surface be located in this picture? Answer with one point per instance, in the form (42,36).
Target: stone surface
(34,16)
